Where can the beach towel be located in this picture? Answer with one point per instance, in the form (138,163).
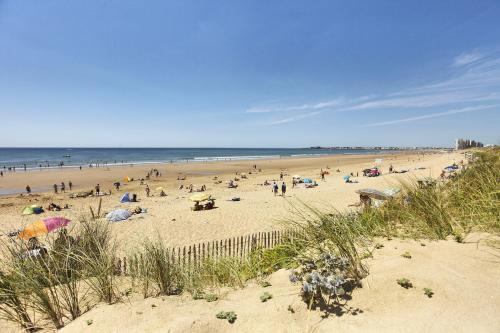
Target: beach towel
(118,215)
(33,209)
(125,198)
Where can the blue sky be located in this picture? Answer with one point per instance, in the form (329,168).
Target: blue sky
(248,73)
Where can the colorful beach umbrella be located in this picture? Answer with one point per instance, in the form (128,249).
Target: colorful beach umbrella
(200,197)
(43,227)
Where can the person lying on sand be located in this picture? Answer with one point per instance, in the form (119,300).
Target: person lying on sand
(53,207)
(365,202)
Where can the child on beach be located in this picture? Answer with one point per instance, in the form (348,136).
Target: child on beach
(63,187)
(97,189)
(28,189)
(55,188)
(70,184)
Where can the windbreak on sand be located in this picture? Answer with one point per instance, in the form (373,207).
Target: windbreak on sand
(200,197)
(43,227)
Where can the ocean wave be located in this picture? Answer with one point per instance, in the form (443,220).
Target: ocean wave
(233,158)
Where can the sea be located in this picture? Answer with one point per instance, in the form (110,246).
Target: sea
(36,158)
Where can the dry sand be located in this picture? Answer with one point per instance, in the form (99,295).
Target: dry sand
(171,217)
(464,278)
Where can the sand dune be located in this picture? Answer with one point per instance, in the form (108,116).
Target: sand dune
(464,278)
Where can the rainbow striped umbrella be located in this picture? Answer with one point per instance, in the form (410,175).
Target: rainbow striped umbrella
(43,227)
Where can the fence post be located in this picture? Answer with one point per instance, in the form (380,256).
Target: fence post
(203,254)
(184,256)
(195,263)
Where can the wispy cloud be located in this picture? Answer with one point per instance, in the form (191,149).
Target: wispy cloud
(467,58)
(474,80)
(315,106)
(432,115)
(294,118)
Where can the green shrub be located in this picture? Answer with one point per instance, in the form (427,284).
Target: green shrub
(265,297)
(405,283)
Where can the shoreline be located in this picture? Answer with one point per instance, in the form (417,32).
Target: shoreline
(179,165)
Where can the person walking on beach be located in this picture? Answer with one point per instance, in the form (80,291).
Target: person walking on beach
(70,184)
(97,189)
(283,189)
(147,190)
(281,175)
(55,188)
(275,188)
(28,189)
(1,173)
(63,187)
(322,175)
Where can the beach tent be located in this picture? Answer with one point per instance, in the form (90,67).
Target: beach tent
(374,194)
(392,191)
(125,198)
(308,181)
(33,209)
(118,215)
(346,178)
(200,197)
(43,227)
(127,179)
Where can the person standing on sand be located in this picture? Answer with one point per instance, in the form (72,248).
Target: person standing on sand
(55,188)
(97,189)
(28,189)
(147,190)
(1,173)
(283,189)
(70,184)
(281,175)
(63,187)
(275,188)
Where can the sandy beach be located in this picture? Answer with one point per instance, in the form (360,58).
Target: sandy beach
(171,217)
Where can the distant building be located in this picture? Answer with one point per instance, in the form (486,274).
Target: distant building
(467,143)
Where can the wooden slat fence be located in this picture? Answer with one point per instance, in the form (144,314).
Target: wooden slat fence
(193,255)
